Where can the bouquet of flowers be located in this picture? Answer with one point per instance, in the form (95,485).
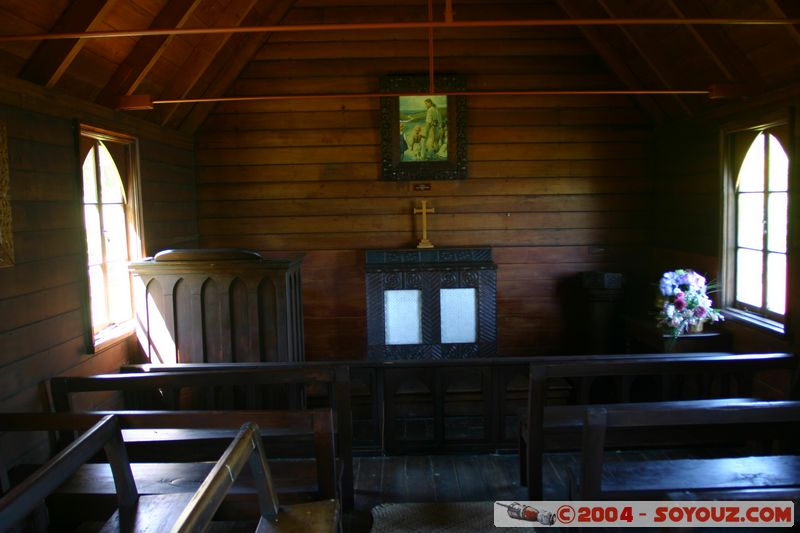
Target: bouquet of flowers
(683,303)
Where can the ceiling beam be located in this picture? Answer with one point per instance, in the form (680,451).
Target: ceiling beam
(786,10)
(52,58)
(193,70)
(146,52)
(406,26)
(731,61)
(230,63)
(646,58)
(612,58)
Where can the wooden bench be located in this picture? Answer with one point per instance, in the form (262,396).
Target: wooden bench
(222,386)
(540,422)
(296,480)
(174,511)
(646,480)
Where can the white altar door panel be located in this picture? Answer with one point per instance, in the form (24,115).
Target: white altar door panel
(403,316)
(458,309)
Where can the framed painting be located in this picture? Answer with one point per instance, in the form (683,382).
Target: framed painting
(6,236)
(423,136)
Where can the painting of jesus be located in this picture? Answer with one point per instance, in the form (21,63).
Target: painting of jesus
(423,128)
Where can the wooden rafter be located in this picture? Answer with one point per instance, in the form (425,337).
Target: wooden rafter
(52,58)
(720,48)
(645,57)
(785,10)
(611,57)
(230,65)
(190,74)
(145,54)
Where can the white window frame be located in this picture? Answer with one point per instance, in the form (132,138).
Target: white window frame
(97,338)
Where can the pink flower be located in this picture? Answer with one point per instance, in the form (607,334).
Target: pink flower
(700,312)
(679,303)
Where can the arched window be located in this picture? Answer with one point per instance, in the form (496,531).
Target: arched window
(758,223)
(110,212)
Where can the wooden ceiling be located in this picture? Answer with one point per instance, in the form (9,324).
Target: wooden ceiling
(631,56)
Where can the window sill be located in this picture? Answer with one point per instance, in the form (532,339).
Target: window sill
(113,335)
(754,321)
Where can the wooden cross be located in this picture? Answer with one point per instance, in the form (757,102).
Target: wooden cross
(424,243)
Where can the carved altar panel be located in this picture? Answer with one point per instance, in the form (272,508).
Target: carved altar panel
(456,289)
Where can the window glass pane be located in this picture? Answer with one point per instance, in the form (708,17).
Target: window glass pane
(97,288)
(119,292)
(114,232)
(778,221)
(91,217)
(750,221)
(776,283)
(89,179)
(751,175)
(110,181)
(458,309)
(778,166)
(403,316)
(748,277)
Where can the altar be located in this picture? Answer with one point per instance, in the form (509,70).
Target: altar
(431,303)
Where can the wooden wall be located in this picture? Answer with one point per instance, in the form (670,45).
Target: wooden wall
(41,327)
(557,185)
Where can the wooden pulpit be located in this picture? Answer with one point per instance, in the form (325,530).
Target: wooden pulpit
(218,306)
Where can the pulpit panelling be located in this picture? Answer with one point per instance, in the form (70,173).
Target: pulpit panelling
(219,305)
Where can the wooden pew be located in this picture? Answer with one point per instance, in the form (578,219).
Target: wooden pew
(646,480)
(316,517)
(24,498)
(297,481)
(541,420)
(175,511)
(244,386)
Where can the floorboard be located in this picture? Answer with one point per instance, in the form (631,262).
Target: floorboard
(452,478)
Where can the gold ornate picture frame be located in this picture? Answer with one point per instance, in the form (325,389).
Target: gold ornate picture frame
(6,235)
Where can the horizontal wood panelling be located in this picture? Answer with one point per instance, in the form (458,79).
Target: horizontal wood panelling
(556,185)
(443,223)
(38,245)
(40,336)
(27,308)
(41,296)
(444,204)
(338,241)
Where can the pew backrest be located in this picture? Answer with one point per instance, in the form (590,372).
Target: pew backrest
(22,499)
(250,378)
(543,369)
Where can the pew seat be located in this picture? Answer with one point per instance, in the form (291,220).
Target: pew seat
(717,375)
(90,492)
(563,423)
(644,480)
(231,388)
(735,469)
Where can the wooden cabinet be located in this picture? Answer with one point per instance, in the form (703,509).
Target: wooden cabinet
(436,303)
(219,305)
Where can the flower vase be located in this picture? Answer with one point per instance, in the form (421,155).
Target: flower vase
(696,328)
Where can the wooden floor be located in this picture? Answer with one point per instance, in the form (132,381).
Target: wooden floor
(449,478)
(446,478)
